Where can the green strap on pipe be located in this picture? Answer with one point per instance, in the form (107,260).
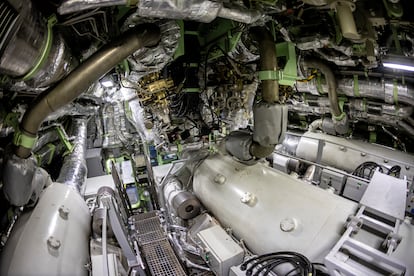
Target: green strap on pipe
(268,75)
(319,83)
(64,139)
(341,106)
(395,92)
(356,86)
(51,153)
(46,49)
(340,117)
(21,139)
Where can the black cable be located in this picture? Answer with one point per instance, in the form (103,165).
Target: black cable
(294,264)
(264,267)
(249,271)
(322,271)
(367,169)
(290,271)
(395,171)
(272,260)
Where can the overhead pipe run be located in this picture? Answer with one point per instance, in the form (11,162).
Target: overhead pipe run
(19,169)
(339,118)
(79,80)
(270,117)
(196,10)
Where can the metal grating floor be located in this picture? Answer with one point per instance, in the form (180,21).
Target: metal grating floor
(158,253)
(161,259)
(150,237)
(148,225)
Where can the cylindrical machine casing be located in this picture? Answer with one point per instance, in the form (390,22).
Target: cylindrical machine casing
(53,239)
(347,154)
(269,210)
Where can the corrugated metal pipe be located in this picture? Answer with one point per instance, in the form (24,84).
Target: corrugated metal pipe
(74,170)
(270,118)
(196,10)
(387,90)
(192,10)
(339,118)
(71,6)
(80,79)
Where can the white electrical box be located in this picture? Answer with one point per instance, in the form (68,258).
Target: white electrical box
(354,189)
(334,178)
(220,251)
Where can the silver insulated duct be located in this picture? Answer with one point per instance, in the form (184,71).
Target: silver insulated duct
(31,52)
(73,172)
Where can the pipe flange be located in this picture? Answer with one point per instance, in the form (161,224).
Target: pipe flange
(186,205)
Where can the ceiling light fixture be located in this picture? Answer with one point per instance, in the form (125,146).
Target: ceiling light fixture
(398,62)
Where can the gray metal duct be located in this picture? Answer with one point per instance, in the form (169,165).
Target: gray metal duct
(73,172)
(79,80)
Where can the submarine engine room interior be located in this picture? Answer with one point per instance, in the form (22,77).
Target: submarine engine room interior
(207,137)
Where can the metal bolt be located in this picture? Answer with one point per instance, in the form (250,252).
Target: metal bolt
(220,179)
(407,167)
(64,212)
(247,198)
(363,154)
(288,225)
(342,148)
(385,160)
(53,243)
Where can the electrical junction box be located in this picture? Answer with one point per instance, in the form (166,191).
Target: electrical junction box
(354,189)
(332,177)
(219,250)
